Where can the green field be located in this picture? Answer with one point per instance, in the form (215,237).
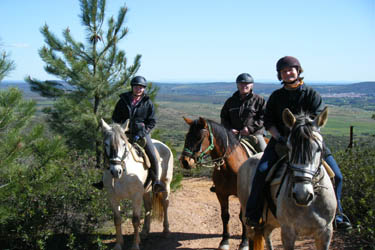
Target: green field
(173,127)
(341,118)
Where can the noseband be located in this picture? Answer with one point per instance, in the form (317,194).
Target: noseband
(117,162)
(191,153)
(316,176)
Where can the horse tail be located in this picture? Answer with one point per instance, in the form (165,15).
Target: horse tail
(258,241)
(157,206)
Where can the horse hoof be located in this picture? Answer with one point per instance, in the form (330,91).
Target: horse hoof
(118,247)
(166,233)
(143,235)
(224,246)
(135,248)
(243,248)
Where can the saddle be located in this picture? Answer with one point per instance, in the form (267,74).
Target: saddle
(249,144)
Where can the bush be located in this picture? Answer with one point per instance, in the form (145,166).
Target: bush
(358,168)
(50,206)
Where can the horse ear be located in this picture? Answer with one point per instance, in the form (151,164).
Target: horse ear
(203,122)
(288,118)
(188,120)
(322,118)
(104,125)
(125,125)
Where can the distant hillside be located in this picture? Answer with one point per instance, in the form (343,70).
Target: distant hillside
(227,88)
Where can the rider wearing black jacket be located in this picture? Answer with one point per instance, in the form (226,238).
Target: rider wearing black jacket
(136,106)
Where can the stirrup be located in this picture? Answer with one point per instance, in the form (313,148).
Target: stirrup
(345,224)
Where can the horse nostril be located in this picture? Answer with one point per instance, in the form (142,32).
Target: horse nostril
(310,198)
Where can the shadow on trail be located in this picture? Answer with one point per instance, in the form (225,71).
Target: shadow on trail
(156,241)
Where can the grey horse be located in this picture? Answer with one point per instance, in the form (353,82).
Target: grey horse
(305,200)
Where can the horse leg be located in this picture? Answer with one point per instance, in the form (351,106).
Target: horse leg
(137,208)
(147,200)
(288,237)
(267,237)
(224,205)
(165,210)
(323,240)
(244,241)
(117,221)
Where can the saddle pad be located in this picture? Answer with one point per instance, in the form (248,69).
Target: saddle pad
(140,155)
(275,175)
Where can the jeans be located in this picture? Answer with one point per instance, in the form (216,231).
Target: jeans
(254,205)
(338,182)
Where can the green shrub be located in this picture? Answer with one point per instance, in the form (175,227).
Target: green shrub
(50,206)
(358,199)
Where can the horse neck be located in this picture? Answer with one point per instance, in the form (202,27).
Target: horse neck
(233,158)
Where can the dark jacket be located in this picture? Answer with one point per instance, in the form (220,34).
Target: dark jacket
(142,115)
(303,99)
(237,113)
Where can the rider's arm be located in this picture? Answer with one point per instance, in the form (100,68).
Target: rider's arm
(274,132)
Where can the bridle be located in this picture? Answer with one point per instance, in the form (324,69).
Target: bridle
(316,175)
(112,160)
(203,154)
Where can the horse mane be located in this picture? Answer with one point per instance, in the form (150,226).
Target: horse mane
(223,136)
(116,133)
(301,137)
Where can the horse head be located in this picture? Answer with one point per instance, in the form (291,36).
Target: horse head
(115,146)
(305,145)
(198,142)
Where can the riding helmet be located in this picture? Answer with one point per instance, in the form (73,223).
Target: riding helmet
(139,80)
(244,77)
(288,61)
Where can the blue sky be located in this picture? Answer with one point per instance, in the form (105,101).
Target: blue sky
(211,40)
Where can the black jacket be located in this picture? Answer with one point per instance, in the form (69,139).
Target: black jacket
(237,113)
(142,115)
(304,99)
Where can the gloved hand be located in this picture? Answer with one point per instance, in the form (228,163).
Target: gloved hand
(136,138)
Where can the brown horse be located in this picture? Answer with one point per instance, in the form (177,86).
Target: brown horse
(208,138)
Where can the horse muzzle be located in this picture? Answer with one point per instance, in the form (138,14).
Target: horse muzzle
(115,168)
(303,193)
(187,162)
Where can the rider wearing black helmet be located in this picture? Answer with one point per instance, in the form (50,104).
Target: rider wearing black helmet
(298,98)
(138,107)
(243,112)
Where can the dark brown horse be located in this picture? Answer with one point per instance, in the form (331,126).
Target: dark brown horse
(208,138)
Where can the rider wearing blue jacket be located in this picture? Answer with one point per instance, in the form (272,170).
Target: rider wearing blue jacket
(297,97)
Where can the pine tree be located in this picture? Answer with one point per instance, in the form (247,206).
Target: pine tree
(91,74)
(6,65)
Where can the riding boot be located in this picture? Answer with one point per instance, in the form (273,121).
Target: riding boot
(157,185)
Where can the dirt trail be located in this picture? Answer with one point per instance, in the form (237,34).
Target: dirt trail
(195,223)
